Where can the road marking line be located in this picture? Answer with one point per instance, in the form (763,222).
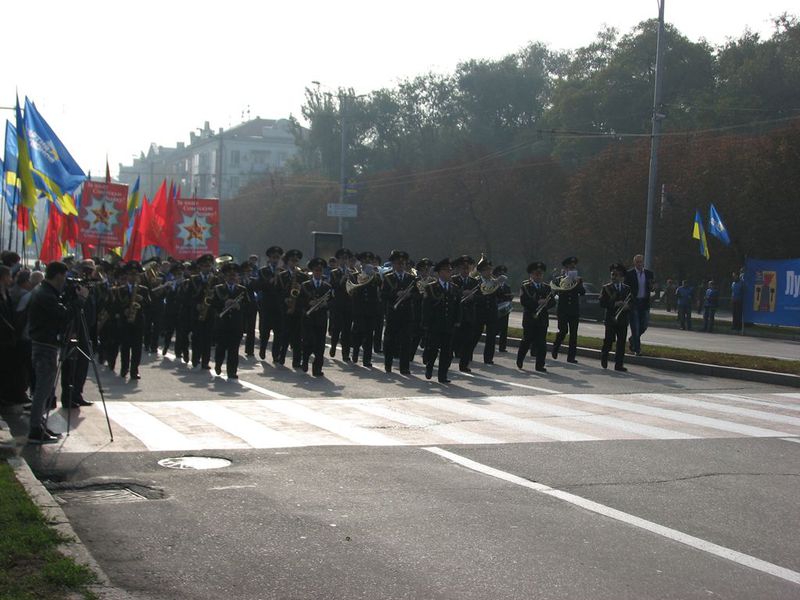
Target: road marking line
(794,395)
(512,422)
(795,440)
(511,383)
(444,430)
(749,400)
(243,383)
(252,432)
(627,518)
(345,430)
(586,417)
(149,430)
(674,415)
(726,408)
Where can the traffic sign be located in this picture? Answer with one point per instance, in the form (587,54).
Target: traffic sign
(347,211)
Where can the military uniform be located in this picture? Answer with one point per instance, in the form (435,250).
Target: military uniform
(462,342)
(400,320)
(130,325)
(569,314)
(315,325)
(271,307)
(616,329)
(229,327)
(154,315)
(201,289)
(366,302)
(534,329)
(292,325)
(441,313)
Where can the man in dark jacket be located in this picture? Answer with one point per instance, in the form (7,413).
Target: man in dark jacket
(640,280)
(47,317)
(441,315)
(569,308)
(616,297)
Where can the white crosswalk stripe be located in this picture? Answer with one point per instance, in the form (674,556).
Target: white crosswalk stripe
(429,420)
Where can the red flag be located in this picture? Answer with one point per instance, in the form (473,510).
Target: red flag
(52,245)
(135,242)
(71,230)
(159,228)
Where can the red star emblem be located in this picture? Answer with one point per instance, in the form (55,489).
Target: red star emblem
(101,214)
(195,231)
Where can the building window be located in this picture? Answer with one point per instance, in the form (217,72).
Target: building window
(234,185)
(234,158)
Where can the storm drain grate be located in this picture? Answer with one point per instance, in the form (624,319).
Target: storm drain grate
(98,496)
(194,462)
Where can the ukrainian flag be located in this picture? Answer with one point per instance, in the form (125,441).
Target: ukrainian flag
(24,172)
(133,198)
(699,233)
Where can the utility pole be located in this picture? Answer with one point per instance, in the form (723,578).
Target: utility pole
(655,136)
(343,158)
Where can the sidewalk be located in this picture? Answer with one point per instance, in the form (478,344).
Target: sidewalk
(693,340)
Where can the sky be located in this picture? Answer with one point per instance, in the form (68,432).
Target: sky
(112,77)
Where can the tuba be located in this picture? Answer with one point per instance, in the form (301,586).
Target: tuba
(362,279)
(487,289)
(566,282)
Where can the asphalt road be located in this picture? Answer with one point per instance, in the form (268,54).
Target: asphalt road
(581,483)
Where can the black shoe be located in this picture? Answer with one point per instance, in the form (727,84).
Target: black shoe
(249,355)
(304,366)
(428,371)
(368,365)
(233,376)
(519,363)
(555,353)
(621,369)
(387,368)
(332,353)
(465,369)
(164,352)
(262,353)
(135,375)
(444,381)
(40,436)
(75,403)
(218,369)
(318,374)
(501,350)
(488,362)
(279,361)
(55,434)
(604,360)
(638,353)
(405,372)
(541,369)
(123,373)
(205,367)
(574,361)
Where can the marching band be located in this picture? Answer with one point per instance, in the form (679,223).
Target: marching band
(444,309)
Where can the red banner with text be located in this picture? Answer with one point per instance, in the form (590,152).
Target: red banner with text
(104,214)
(197,228)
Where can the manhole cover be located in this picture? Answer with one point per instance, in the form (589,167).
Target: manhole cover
(194,462)
(94,496)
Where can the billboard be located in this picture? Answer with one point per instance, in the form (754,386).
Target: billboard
(197,228)
(772,292)
(103,217)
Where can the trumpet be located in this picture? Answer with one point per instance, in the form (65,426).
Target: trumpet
(625,305)
(403,296)
(470,293)
(235,305)
(320,302)
(542,307)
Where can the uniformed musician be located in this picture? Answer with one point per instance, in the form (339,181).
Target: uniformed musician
(485,313)
(271,304)
(399,287)
(202,289)
(462,342)
(341,309)
(424,275)
(312,305)
(505,299)
(365,296)
(290,279)
(130,301)
(616,297)
(441,311)
(537,299)
(248,277)
(569,309)
(229,302)
(172,308)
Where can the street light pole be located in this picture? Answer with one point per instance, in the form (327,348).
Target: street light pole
(655,139)
(343,158)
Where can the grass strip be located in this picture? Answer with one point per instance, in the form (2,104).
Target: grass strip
(723,359)
(30,564)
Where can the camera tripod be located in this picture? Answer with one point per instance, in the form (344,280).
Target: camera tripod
(72,350)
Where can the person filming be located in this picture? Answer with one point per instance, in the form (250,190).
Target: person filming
(49,311)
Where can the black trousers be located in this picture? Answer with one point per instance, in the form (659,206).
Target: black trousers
(153,323)
(378,342)
(227,349)
(397,343)
(291,337)
(73,375)
(109,343)
(616,332)
(130,346)
(272,321)
(364,327)
(567,323)
(534,338)
(462,339)
(250,312)
(202,332)
(489,325)
(314,343)
(438,345)
(341,326)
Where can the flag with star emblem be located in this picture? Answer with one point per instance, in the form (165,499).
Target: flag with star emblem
(103,214)
(197,228)
(716,227)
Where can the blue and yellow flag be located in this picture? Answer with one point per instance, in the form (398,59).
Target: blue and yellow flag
(27,193)
(55,171)
(717,228)
(699,233)
(133,198)
(10,188)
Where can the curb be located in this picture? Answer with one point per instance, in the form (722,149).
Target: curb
(8,447)
(685,366)
(55,517)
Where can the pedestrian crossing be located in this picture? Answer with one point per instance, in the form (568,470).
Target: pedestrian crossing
(262,423)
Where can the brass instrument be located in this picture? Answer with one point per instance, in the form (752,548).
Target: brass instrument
(566,282)
(361,280)
(625,306)
(235,305)
(205,306)
(403,295)
(423,284)
(494,284)
(470,293)
(294,292)
(320,302)
(543,306)
(131,311)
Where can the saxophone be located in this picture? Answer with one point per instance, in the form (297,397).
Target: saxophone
(204,306)
(131,311)
(294,292)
